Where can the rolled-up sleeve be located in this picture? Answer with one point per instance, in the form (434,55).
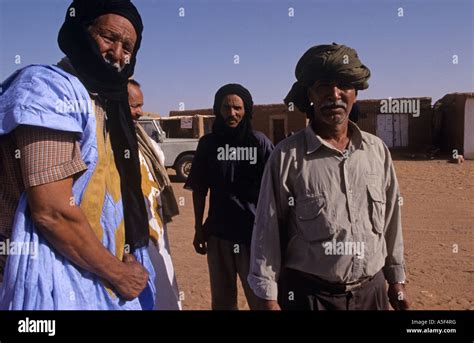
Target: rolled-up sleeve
(271,215)
(394,268)
(47,155)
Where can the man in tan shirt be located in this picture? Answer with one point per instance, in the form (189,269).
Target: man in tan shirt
(328,226)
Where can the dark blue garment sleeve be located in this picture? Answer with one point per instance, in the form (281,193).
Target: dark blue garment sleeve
(198,179)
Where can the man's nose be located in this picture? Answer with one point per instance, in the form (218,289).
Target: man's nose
(115,52)
(334,92)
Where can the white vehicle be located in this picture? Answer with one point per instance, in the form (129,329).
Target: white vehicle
(179,152)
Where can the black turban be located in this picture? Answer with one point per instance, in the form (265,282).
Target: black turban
(329,63)
(234,88)
(100,77)
(248,176)
(241,135)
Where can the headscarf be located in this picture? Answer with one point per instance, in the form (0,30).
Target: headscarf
(329,63)
(99,77)
(247,180)
(158,171)
(241,134)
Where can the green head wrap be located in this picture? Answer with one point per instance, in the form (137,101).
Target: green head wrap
(329,63)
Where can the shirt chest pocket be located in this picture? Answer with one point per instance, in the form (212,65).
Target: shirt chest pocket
(313,220)
(377,204)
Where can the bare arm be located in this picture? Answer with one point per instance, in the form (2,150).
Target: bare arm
(65,226)
(199,203)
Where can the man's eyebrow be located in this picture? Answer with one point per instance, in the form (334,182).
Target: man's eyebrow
(111,32)
(117,35)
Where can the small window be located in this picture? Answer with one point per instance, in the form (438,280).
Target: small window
(150,129)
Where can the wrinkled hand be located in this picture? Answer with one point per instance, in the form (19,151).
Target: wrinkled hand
(133,279)
(199,242)
(398,297)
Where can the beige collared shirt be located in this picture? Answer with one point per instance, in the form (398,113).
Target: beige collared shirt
(335,214)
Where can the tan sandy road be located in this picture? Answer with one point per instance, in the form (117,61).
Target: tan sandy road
(438,221)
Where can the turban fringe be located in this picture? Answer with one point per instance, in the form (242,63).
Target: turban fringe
(99,77)
(328,63)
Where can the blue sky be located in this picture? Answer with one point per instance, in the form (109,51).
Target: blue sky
(186,59)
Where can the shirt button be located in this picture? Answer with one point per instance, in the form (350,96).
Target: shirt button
(350,191)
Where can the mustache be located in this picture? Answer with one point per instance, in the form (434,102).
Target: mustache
(116,65)
(229,119)
(333,104)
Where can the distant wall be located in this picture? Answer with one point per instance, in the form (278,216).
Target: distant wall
(295,120)
(450,109)
(264,114)
(205,111)
(419,128)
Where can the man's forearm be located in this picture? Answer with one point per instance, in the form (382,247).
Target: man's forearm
(66,227)
(199,203)
(71,235)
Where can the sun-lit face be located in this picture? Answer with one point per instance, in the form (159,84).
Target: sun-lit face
(135,101)
(332,101)
(115,37)
(232,110)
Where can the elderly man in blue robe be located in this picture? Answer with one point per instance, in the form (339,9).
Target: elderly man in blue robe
(71,184)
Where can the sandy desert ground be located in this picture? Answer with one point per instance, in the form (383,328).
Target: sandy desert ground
(438,225)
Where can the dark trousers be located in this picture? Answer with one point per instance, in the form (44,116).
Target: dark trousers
(226,260)
(300,291)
